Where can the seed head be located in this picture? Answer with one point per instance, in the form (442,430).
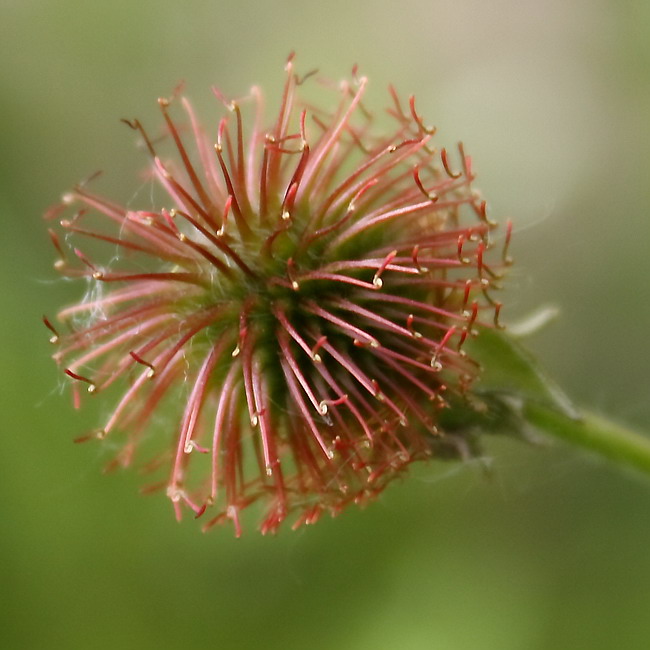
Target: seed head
(300,294)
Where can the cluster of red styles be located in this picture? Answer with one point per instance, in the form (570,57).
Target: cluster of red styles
(294,301)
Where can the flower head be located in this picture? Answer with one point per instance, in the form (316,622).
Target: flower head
(301,293)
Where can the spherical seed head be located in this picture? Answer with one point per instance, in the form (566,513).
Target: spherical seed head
(306,290)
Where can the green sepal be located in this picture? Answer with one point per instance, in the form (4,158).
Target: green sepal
(508,369)
(514,396)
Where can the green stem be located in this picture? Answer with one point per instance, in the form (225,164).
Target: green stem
(596,434)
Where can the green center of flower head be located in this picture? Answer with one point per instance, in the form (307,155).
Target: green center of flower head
(307,289)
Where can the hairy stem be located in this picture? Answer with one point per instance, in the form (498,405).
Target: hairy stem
(607,439)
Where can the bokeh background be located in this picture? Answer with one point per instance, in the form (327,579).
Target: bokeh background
(549,549)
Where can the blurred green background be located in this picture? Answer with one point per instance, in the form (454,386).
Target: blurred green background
(551,549)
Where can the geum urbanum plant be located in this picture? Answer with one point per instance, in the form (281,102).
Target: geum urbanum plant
(316,299)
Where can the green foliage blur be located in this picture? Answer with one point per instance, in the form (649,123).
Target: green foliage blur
(533,548)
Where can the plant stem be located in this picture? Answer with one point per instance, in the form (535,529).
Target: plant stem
(593,433)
